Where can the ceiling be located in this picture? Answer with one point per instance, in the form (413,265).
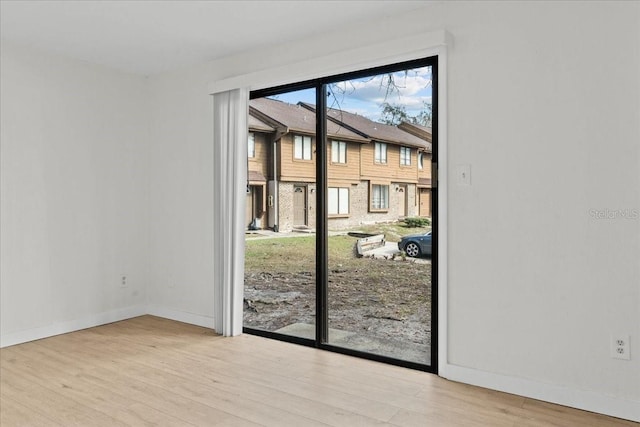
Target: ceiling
(149,37)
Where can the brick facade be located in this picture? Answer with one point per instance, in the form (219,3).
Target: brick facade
(356,167)
(285,204)
(359,213)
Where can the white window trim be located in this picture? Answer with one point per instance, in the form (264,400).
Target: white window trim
(372,208)
(251,142)
(390,51)
(405,161)
(383,148)
(340,193)
(337,153)
(302,139)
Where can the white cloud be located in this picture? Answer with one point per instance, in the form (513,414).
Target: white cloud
(410,90)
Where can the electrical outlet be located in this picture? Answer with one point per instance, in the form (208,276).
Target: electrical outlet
(123,281)
(620,348)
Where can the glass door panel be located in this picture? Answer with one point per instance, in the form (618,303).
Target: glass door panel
(280,259)
(379,214)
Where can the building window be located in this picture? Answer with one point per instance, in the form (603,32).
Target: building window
(251,148)
(338,152)
(302,147)
(405,156)
(379,197)
(380,152)
(420,160)
(338,199)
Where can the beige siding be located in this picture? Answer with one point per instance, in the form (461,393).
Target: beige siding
(291,169)
(425,172)
(349,171)
(392,170)
(261,163)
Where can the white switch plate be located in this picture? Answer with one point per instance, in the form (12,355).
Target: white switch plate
(463,175)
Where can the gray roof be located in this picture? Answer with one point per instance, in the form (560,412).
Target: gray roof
(255,176)
(420,131)
(258,125)
(296,118)
(424,182)
(373,130)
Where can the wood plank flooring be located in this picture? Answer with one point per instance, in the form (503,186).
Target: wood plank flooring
(150,371)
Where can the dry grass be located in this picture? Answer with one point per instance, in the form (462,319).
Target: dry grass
(387,300)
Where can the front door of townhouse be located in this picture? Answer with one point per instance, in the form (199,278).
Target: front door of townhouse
(425,202)
(249,207)
(402,200)
(299,205)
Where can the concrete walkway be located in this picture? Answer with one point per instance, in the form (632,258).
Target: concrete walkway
(270,234)
(398,348)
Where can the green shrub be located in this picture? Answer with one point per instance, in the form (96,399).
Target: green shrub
(417,222)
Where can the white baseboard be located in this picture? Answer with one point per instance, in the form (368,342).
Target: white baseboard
(181,316)
(580,399)
(20,337)
(71,325)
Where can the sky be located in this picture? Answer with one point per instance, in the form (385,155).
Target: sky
(365,96)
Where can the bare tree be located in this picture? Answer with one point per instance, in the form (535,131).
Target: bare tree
(390,84)
(393,114)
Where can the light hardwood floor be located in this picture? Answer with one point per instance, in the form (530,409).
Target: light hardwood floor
(153,371)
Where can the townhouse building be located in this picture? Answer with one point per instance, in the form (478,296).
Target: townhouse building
(375,172)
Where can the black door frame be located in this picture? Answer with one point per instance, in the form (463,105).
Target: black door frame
(322,318)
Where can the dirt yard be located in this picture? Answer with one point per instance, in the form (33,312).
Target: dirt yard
(381,300)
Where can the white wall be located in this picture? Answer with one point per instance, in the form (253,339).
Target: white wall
(104,174)
(544,104)
(181,198)
(74,202)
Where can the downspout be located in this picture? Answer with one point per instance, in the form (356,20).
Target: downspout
(280,131)
(276,188)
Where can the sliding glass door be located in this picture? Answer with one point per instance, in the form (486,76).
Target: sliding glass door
(341,214)
(379,294)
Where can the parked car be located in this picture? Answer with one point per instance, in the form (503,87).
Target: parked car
(416,244)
